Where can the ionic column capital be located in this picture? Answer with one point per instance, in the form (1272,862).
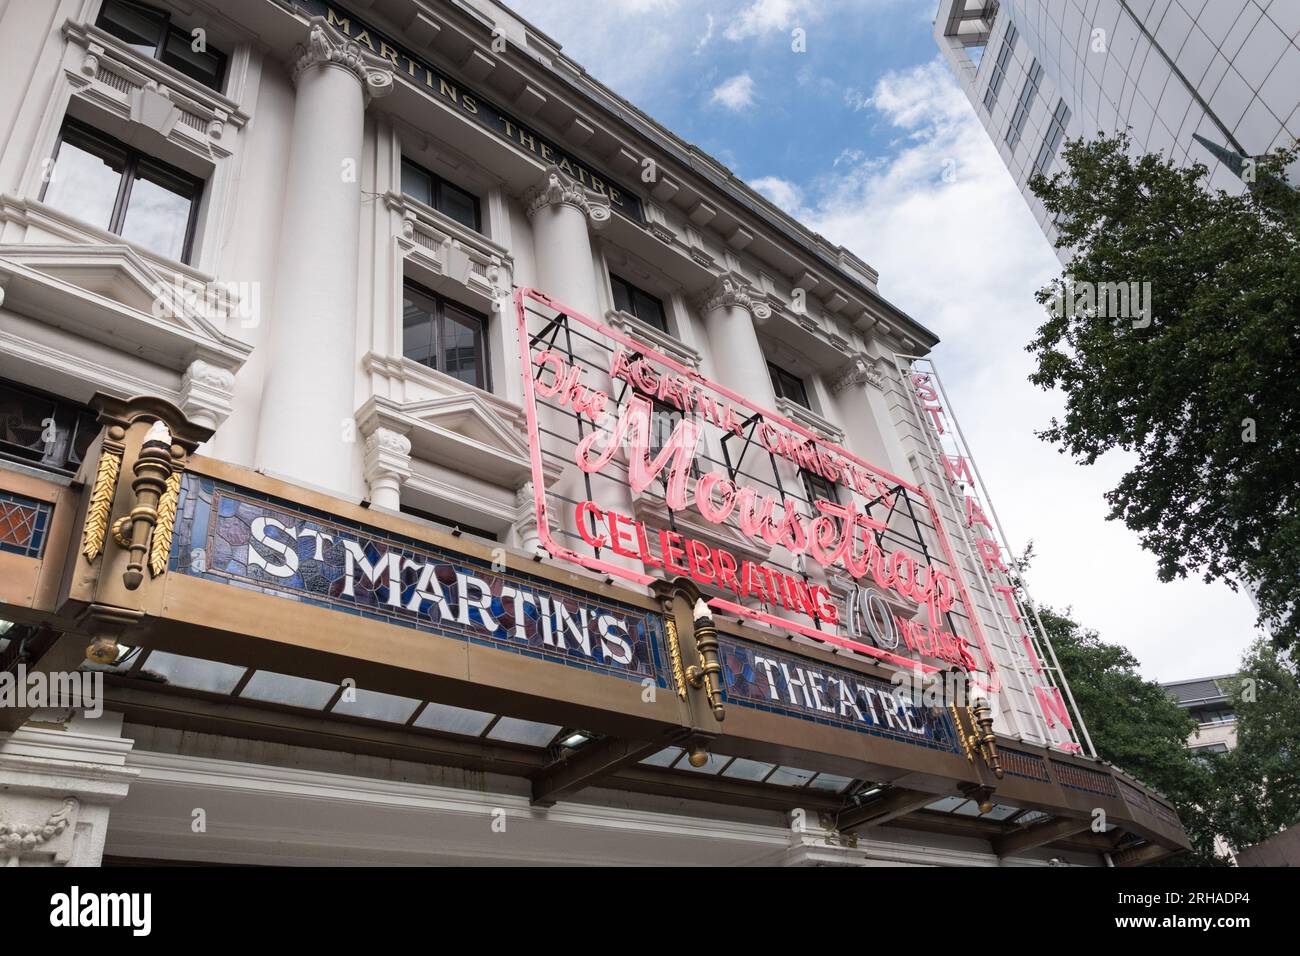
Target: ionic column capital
(731,291)
(557,188)
(325,46)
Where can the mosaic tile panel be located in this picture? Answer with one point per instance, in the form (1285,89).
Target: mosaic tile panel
(784,684)
(245,539)
(24,524)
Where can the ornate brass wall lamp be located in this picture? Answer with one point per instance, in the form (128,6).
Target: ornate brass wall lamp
(708,674)
(680,601)
(157,479)
(974,723)
(982,717)
(145,530)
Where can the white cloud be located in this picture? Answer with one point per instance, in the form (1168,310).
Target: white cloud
(708,34)
(963,257)
(736,93)
(664,30)
(782,192)
(767,16)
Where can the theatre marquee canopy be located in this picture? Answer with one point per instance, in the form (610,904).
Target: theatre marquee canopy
(234,584)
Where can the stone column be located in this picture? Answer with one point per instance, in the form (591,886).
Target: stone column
(858,388)
(729,312)
(305,426)
(560,209)
(387,465)
(563,212)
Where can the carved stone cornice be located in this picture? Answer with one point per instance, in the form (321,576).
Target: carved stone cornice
(731,291)
(859,370)
(325,46)
(557,188)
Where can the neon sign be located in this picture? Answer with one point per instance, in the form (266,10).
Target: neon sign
(974,512)
(665,473)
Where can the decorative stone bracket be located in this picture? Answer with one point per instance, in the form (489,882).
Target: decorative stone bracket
(526,530)
(387,466)
(859,370)
(207,393)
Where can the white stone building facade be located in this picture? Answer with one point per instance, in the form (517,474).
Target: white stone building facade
(279,218)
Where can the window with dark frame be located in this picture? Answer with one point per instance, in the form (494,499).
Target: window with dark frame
(150,32)
(999,71)
(1052,139)
(788,385)
(43,430)
(646,307)
(432,190)
(664,420)
(1027,94)
(815,486)
(101,180)
(444,335)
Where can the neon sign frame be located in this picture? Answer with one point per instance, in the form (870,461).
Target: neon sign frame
(593,562)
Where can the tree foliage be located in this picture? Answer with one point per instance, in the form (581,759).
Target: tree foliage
(1206,394)
(1257,784)
(1135,725)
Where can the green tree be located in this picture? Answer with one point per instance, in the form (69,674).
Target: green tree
(1137,726)
(1203,389)
(1257,784)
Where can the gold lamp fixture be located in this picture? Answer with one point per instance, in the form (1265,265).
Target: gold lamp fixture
(982,717)
(153,476)
(707,674)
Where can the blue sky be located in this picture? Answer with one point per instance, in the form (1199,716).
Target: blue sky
(865,137)
(803,110)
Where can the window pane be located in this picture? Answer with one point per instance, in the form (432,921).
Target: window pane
(650,310)
(416,183)
(85,178)
(27,424)
(788,386)
(43,430)
(206,67)
(664,421)
(138,26)
(458,204)
(417,329)
(462,341)
(622,295)
(158,213)
(818,487)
